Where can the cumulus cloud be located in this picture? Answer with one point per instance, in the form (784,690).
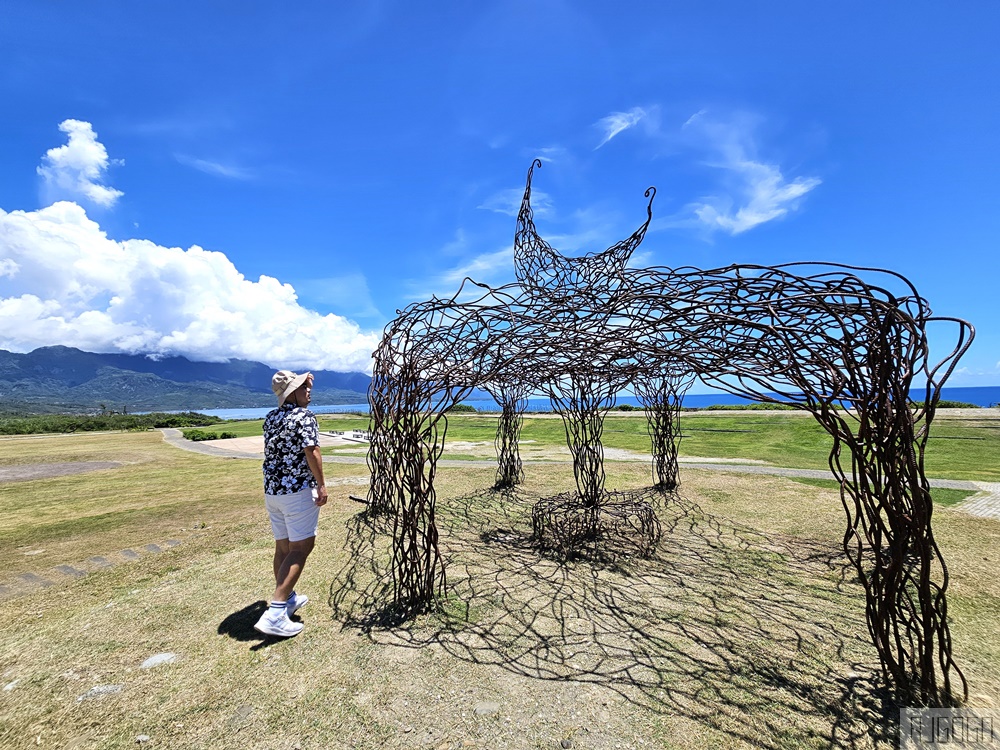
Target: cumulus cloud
(618,122)
(65,282)
(76,170)
(756,191)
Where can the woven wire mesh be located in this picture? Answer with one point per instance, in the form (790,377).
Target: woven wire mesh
(818,336)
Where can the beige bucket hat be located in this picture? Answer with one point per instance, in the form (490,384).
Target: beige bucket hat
(286,381)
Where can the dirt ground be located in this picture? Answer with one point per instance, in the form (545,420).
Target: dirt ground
(29,472)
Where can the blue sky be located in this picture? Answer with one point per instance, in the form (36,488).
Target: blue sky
(205,178)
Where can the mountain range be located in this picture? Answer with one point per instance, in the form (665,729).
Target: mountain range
(56,379)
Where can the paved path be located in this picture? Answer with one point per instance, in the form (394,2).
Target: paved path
(247,447)
(985,504)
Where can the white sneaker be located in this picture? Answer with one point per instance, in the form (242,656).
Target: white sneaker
(295,603)
(275,622)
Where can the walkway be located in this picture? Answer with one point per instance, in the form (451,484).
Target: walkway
(985,504)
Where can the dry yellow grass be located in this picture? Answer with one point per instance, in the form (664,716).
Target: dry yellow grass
(744,631)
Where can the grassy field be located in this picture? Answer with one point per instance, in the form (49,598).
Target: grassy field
(959,447)
(745,630)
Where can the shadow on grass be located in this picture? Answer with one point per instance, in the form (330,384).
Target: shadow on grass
(757,636)
(239,626)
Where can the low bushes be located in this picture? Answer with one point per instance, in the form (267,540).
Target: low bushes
(45,423)
(199,435)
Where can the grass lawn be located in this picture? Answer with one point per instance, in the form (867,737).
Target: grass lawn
(959,448)
(745,630)
(940,495)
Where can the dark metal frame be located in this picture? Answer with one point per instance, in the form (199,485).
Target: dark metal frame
(814,335)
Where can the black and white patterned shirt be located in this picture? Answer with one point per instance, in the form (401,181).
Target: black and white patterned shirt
(287,431)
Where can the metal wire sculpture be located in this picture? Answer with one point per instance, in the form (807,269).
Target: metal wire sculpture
(814,335)
(661,395)
(512,396)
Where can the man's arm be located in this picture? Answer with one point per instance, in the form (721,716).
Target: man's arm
(315,460)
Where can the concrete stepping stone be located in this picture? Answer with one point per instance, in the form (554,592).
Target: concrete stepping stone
(151,548)
(129,554)
(35,580)
(486,708)
(99,691)
(69,570)
(240,716)
(100,562)
(156,660)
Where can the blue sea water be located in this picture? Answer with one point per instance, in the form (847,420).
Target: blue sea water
(980,396)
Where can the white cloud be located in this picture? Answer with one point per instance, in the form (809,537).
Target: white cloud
(757,192)
(77,169)
(482,268)
(508,202)
(764,195)
(693,118)
(66,283)
(216,169)
(618,122)
(551,153)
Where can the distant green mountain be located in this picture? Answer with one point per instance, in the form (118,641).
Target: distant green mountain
(57,379)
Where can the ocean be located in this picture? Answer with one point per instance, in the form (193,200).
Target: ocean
(980,396)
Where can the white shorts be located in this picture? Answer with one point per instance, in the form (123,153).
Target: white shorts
(293,517)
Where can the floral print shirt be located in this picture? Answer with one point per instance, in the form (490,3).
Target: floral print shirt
(287,431)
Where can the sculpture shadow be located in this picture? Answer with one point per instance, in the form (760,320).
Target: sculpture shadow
(755,635)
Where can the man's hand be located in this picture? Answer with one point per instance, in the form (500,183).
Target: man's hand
(315,460)
(321,495)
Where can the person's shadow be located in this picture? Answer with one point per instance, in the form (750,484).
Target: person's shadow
(239,626)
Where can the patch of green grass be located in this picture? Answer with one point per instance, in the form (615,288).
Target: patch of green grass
(940,495)
(958,448)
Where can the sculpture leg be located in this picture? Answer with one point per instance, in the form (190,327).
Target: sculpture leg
(891,545)
(510,471)
(417,568)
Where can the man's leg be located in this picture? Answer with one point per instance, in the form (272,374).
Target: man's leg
(288,571)
(280,553)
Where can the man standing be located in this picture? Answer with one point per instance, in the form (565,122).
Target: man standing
(294,490)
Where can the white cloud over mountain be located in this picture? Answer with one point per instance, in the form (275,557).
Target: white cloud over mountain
(63,281)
